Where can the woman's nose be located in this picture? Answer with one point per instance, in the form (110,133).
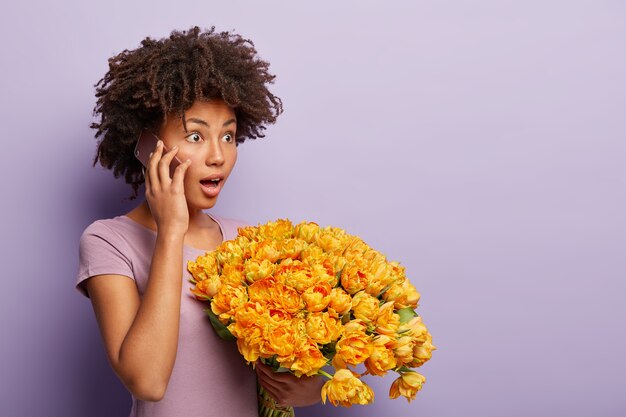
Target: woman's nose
(215,155)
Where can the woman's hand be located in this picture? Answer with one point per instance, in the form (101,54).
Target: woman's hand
(165,195)
(289,390)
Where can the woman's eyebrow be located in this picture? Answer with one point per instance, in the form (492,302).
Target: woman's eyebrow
(202,122)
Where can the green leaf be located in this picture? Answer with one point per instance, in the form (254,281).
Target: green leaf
(222,331)
(406,314)
(328,347)
(271,362)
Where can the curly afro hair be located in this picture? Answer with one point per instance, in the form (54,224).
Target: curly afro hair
(161,77)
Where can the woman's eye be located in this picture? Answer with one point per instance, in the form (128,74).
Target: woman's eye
(228,138)
(194,138)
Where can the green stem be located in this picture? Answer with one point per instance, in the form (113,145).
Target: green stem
(326,374)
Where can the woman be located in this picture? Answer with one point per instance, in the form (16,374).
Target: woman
(202,93)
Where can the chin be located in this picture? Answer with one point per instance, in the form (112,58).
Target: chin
(208,205)
(202,204)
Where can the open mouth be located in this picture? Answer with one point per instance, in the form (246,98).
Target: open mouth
(211,186)
(213,183)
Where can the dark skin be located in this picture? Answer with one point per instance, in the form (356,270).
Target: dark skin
(287,389)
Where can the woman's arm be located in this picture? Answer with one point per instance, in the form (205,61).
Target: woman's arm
(141,335)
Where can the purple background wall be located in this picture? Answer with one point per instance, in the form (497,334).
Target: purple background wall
(481,143)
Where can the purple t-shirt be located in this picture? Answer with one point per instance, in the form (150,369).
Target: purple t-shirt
(210,377)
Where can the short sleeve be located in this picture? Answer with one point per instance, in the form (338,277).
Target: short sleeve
(101,251)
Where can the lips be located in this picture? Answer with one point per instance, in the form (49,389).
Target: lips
(212,185)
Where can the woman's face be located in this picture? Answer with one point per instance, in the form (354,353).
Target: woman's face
(209,142)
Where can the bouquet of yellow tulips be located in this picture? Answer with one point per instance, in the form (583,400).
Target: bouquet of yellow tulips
(303,298)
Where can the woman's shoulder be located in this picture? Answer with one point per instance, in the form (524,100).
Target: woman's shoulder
(106,226)
(106,246)
(120,231)
(106,232)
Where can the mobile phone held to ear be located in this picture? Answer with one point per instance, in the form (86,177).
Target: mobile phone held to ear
(147,143)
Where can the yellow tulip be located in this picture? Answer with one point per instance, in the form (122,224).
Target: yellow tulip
(317,297)
(355,248)
(249,232)
(422,352)
(322,269)
(381,276)
(346,389)
(387,321)
(255,269)
(414,328)
(268,249)
(280,229)
(365,307)
(204,266)
(372,255)
(295,274)
(397,270)
(396,293)
(229,253)
(311,254)
(352,348)
(206,289)
(412,296)
(322,328)
(331,239)
(308,360)
(248,315)
(354,326)
(274,295)
(403,349)
(306,231)
(292,248)
(354,277)
(249,343)
(281,339)
(382,357)
(340,301)
(232,274)
(263,291)
(407,385)
(227,299)
(288,299)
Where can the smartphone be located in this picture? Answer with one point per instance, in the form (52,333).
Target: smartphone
(147,143)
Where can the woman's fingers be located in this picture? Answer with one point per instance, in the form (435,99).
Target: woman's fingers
(275,376)
(165,196)
(288,389)
(274,392)
(269,382)
(280,385)
(146,177)
(266,380)
(179,174)
(152,171)
(164,164)
(158,169)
